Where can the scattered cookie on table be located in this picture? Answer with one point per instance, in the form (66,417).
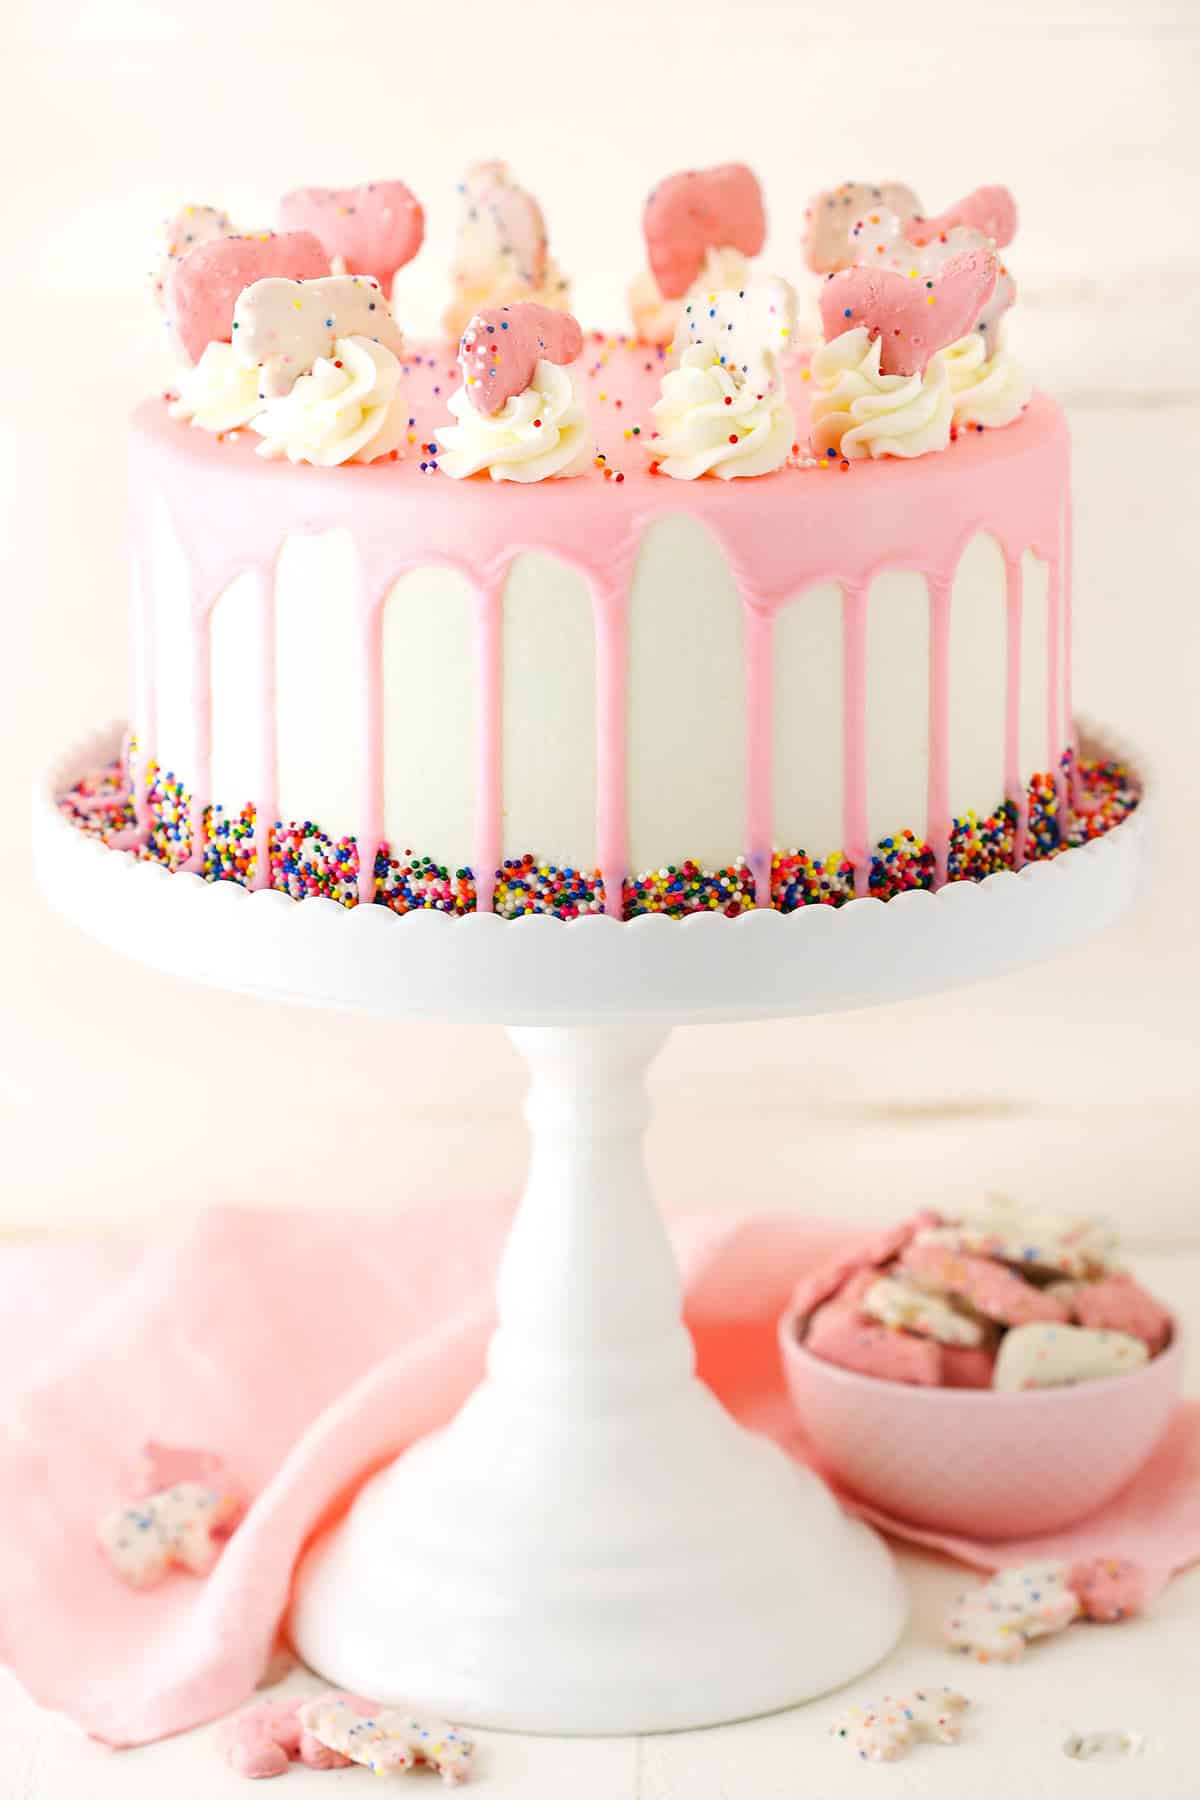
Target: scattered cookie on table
(266,1739)
(1034,1356)
(1087,1746)
(886,1731)
(1108,1588)
(387,1739)
(994,1623)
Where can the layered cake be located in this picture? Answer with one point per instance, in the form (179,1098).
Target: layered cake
(714,614)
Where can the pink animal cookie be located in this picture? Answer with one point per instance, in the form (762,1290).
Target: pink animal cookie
(700,210)
(502,346)
(1108,1588)
(839,1333)
(1119,1304)
(912,318)
(374,229)
(161,1466)
(824,1281)
(987,1287)
(203,286)
(266,1739)
(990,210)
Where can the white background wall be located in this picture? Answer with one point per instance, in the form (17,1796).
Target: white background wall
(126,1093)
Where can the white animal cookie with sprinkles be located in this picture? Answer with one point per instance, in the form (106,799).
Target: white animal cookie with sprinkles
(749,329)
(995,1622)
(282,327)
(182,1527)
(885,1732)
(388,1740)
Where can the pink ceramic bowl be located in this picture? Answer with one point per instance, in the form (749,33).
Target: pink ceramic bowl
(969,1460)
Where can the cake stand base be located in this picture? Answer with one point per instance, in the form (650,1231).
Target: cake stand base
(593,1545)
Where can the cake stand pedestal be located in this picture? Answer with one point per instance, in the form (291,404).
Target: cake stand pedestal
(592,1545)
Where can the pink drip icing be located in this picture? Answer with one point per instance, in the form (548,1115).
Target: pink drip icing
(854,729)
(759,632)
(489,746)
(780,535)
(370,833)
(612,807)
(1014,786)
(1075,798)
(202,777)
(267,803)
(938,821)
(1054,735)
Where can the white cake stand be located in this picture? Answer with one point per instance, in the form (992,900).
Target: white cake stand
(592,1545)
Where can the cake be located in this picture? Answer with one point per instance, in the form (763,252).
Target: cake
(651,664)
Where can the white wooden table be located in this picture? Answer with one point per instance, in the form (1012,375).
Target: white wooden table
(1136,1676)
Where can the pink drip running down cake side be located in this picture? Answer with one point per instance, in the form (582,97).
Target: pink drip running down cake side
(785,539)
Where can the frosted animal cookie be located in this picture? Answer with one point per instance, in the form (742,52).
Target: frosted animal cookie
(203,286)
(885,1732)
(501,251)
(388,1740)
(1119,1304)
(190,226)
(832,215)
(1034,1356)
(995,1622)
(184,1527)
(912,319)
(1074,1245)
(911,1308)
(370,230)
(701,229)
(283,328)
(1108,1588)
(838,1333)
(872,1252)
(266,1739)
(988,1287)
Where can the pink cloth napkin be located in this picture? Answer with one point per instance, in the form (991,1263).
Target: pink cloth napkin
(307,1349)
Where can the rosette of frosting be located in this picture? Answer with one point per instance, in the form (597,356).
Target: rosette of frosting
(857,411)
(724,411)
(540,432)
(987,390)
(218,394)
(709,422)
(349,408)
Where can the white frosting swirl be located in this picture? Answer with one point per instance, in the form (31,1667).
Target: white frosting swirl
(349,408)
(218,394)
(710,422)
(655,319)
(987,390)
(858,412)
(543,432)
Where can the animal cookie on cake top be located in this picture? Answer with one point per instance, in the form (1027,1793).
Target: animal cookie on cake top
(535,619)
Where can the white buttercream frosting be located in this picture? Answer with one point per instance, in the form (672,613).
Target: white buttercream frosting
(218,394)
(708,421)
(988,390)
(542,432)
(349,408)
(858,412)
